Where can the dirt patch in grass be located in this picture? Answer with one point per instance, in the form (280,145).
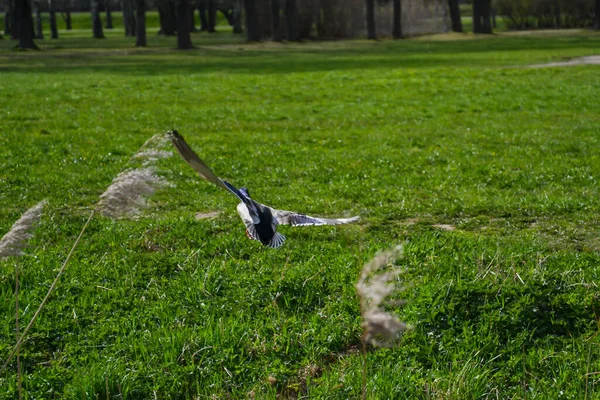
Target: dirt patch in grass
(589,60)
(444,227)
(206,215)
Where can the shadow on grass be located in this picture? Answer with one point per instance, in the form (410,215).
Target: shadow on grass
(228,54)
(538,309)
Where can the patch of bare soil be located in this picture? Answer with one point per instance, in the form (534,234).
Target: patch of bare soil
(206,215)
(444,227)
(589,60)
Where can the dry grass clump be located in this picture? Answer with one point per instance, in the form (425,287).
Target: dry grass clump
(15,240)
(128,192)
(375,284)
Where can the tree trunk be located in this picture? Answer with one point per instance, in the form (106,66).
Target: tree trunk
(326,22)
(7,18)
(291,19)
(557,18)
(129,22)
(371,34)
(275,27)
(96,21)
(53,27)
(211,13)
(39,32)
(109,23)
(201,4)
(486,13)
(252,33)
(237,17)
(477,16)
(68,20)
(24,24)
(140,23)
(184,39)
(166,11)
(397,19)
(192,20)
(14,20)
(455,15)
(597,15)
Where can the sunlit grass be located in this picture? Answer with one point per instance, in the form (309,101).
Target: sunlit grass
(407,134)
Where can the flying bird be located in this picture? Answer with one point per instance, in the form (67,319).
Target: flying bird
(261,221)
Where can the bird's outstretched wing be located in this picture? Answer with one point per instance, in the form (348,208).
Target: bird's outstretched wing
(205,172)
(195,162)
(297,219)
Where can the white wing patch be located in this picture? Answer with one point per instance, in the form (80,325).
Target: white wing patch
(297,219)
(244,214)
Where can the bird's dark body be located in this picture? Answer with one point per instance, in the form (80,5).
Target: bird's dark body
(264,229)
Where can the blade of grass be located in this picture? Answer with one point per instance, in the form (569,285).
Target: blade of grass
(19,380)
(50,290)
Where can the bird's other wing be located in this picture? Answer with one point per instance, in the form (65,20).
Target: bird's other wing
(297,219)
(193,160)
(244,214)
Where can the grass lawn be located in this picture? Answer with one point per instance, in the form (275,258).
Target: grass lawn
(486,170)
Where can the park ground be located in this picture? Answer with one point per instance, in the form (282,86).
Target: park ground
(487,170)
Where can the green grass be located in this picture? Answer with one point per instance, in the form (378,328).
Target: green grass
(442,130)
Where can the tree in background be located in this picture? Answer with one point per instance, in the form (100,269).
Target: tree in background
(486,13)
(397,29)
(252,32)
(201,5)
(140,23)
(237,16)
(23,24)
(482,22)
(182,11)
(166,15)
(109,23)
(39,32)
(291,19)
(325,23)
(53,26)
(211,14)
(66,13)
(7,16)
(597,15)
(129,22)
(97,31)
(275,20)
(455,15)
(371,34)
(476,16)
